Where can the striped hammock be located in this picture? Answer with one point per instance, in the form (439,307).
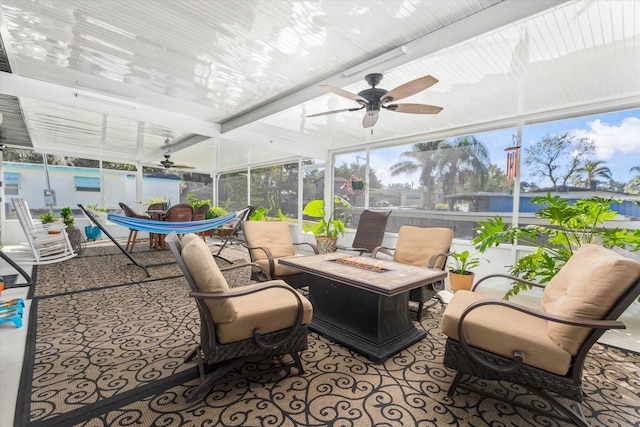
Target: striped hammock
(166,227)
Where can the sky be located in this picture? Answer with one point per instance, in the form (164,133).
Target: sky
(616,137)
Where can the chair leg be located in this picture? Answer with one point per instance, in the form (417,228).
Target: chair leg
(215,376)
(454,383)
(128,241)
(296,359)
(133,240)
(420,305)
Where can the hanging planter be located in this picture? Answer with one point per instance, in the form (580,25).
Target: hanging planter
(357,184)
(353,184)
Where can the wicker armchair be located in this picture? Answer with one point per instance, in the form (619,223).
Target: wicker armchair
(422,247)
(258,320)
(542,350)
(268,242)
(369,233)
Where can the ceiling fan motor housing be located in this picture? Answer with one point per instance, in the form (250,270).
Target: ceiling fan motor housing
(374,98)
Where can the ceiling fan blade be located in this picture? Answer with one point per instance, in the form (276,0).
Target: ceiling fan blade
(414,108)
(344,93)
(409,88)
(334,112)
(370,118)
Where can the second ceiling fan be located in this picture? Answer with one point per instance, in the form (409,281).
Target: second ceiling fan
(374,98)
(168,164)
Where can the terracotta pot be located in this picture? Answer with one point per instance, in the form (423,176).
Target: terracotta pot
(460,281)
(326,244)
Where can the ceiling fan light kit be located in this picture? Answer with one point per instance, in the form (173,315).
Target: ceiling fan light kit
(374,98)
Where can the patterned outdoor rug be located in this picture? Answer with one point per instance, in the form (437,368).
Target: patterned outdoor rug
(112,355)
(102,265)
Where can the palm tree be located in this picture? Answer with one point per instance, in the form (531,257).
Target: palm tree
(458,165)
(464,165)
(424,156)
(591,170)
(633,186)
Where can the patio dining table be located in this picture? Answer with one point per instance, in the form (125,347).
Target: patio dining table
(363,302)
(155,239)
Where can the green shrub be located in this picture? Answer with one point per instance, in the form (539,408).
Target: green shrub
(569,227)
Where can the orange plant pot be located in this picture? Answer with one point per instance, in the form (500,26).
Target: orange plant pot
(460,281)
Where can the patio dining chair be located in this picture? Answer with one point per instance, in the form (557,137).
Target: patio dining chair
(370,232)
(542,350)
(182,212)
(133,234)
(267,319)
(422,247)
(199,215)
(268,242)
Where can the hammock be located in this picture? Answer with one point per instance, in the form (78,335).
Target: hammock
(166,227)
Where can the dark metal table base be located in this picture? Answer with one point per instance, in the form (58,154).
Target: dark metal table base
(374,325)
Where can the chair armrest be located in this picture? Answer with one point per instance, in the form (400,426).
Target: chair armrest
(267,252)
(434,258)
(517,356)
(257,335)
(383,249)
(506,276)
(246,264)
(313,247)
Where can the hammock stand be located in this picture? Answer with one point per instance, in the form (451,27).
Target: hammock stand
(163,227)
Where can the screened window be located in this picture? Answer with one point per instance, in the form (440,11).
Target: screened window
(11,183)
(84,183)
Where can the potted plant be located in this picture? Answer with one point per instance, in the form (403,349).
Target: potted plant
(354,183)
(328,227)
(67,216)
(49,218)
(75,236)
(92,231)
(460,271)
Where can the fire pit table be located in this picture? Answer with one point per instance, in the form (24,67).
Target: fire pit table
(363,303)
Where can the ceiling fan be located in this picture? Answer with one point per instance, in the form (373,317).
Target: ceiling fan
(374,98)
(168,164)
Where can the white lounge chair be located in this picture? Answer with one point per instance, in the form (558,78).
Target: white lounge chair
(46,243)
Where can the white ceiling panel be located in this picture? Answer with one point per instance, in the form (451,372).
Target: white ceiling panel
(115,80)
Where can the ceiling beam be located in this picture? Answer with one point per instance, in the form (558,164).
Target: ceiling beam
(173,147)
(15,85)
(488,20)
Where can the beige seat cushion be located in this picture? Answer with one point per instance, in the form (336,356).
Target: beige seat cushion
(207,277)
(273,235)
(501,331)
(587,286)
(280,270)
(416,245)
(269,311)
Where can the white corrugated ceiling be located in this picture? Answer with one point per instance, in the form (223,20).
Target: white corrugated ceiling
(116,80)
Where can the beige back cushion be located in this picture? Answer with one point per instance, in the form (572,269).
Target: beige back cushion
(186,238)
(416,245)
(273,235)
(207,277)
(587,286)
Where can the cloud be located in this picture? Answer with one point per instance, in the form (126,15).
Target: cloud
(611,139)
